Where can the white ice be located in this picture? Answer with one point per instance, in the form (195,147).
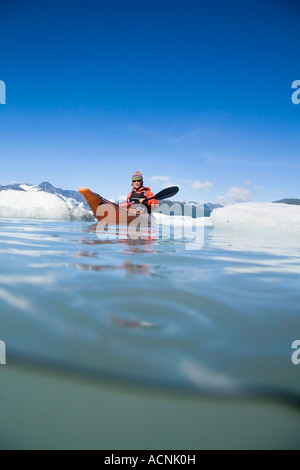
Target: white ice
(258,220)
(40,205)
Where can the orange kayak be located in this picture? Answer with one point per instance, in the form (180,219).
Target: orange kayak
(110,213)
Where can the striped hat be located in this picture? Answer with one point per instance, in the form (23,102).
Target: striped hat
(137,176)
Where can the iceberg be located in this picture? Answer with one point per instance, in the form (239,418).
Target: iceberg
(258,220)
(40,205)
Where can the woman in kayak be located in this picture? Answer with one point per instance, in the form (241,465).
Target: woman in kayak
(140,193)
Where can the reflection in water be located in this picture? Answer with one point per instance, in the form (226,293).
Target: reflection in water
(132,324)
(236,242)
(185,325)
(129,267)
(122,236)
(86,254)
(117,233)
(240,256)
(116,236)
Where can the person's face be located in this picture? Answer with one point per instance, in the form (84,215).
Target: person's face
(137,184)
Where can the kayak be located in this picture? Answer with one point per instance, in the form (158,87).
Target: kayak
(109,213)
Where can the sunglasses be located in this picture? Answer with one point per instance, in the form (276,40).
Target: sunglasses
(137,181)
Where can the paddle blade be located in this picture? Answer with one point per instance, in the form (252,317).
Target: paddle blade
(165,193)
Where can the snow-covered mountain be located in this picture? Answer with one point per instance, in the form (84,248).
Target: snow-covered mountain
(47,188)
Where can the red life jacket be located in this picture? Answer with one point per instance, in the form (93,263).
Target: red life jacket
(135,196)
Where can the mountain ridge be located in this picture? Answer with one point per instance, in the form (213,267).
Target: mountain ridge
(292,201)
(46,187)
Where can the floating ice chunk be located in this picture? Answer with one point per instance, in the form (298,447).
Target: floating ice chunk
(259,219)
(77,211)
(39,205)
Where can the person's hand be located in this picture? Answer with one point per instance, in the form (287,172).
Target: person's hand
(142,200)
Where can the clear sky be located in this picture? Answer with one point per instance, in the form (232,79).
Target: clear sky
(189,92)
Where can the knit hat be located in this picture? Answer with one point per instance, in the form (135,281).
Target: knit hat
(137,176)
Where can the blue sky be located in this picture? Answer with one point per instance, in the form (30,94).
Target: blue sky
(193,93)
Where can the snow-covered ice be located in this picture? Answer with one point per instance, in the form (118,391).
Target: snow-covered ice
(258,220)
(40,205)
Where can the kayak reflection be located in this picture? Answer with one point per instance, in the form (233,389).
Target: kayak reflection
(131,323)
(120,235)
(129,267)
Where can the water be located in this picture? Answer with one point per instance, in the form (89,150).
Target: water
(211,328)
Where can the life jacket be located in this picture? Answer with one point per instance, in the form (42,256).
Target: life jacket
(137,195)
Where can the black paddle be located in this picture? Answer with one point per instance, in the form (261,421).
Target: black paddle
(165,193)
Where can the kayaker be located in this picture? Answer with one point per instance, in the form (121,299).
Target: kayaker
(141,193)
